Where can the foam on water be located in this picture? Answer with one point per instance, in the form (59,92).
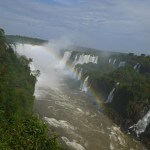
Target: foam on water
(73,144)
(109,60)
(64,104)
(117,138)
(59,123)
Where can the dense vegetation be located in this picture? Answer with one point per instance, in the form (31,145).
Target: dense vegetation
(24,40)
(132,97)
(19,129)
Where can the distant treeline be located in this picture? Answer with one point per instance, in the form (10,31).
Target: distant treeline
(24,40)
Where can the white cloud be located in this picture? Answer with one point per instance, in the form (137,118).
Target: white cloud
(124,22)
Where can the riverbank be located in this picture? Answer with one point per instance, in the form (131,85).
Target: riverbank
(19,128)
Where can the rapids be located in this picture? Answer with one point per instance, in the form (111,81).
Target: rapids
(69,111)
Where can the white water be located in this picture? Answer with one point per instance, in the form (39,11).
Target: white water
(109,60)
(137,67)
(84,85)
(141,125)
(79,74)
(122,64)
(84,59)
(69,111)
(32,69)
(65,59)
(111,94)
(74,145)
(114,61)
(59,123)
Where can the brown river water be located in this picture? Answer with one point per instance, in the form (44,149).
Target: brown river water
(75,115)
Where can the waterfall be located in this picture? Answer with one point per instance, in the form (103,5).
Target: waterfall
(122,64)
(13,46)
(65,58)
(114,61)
(84,85)
(141,125)
(137,67)
(79,74)
(75,72)
(32,69)
(84,59)
(109,60)
(111,94)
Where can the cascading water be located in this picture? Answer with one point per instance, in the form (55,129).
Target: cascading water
(80,74)
(13,46)
(122,64)
(141,125)
(109,60)
(137,67)
(84,85)
(111,94)
(32,69)
(65,59)
(75,73)
(84,59)
(114,61)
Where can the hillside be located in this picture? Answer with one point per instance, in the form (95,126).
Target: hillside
(19,128)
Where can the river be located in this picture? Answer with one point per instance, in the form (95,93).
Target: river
(75,115)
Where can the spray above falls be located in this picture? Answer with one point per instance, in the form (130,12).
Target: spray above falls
(65,58)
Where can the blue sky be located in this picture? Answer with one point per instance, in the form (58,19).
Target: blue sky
(119,25)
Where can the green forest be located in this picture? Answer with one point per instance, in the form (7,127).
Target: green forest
(19,128)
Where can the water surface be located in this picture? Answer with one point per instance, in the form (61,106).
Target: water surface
(75,115)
